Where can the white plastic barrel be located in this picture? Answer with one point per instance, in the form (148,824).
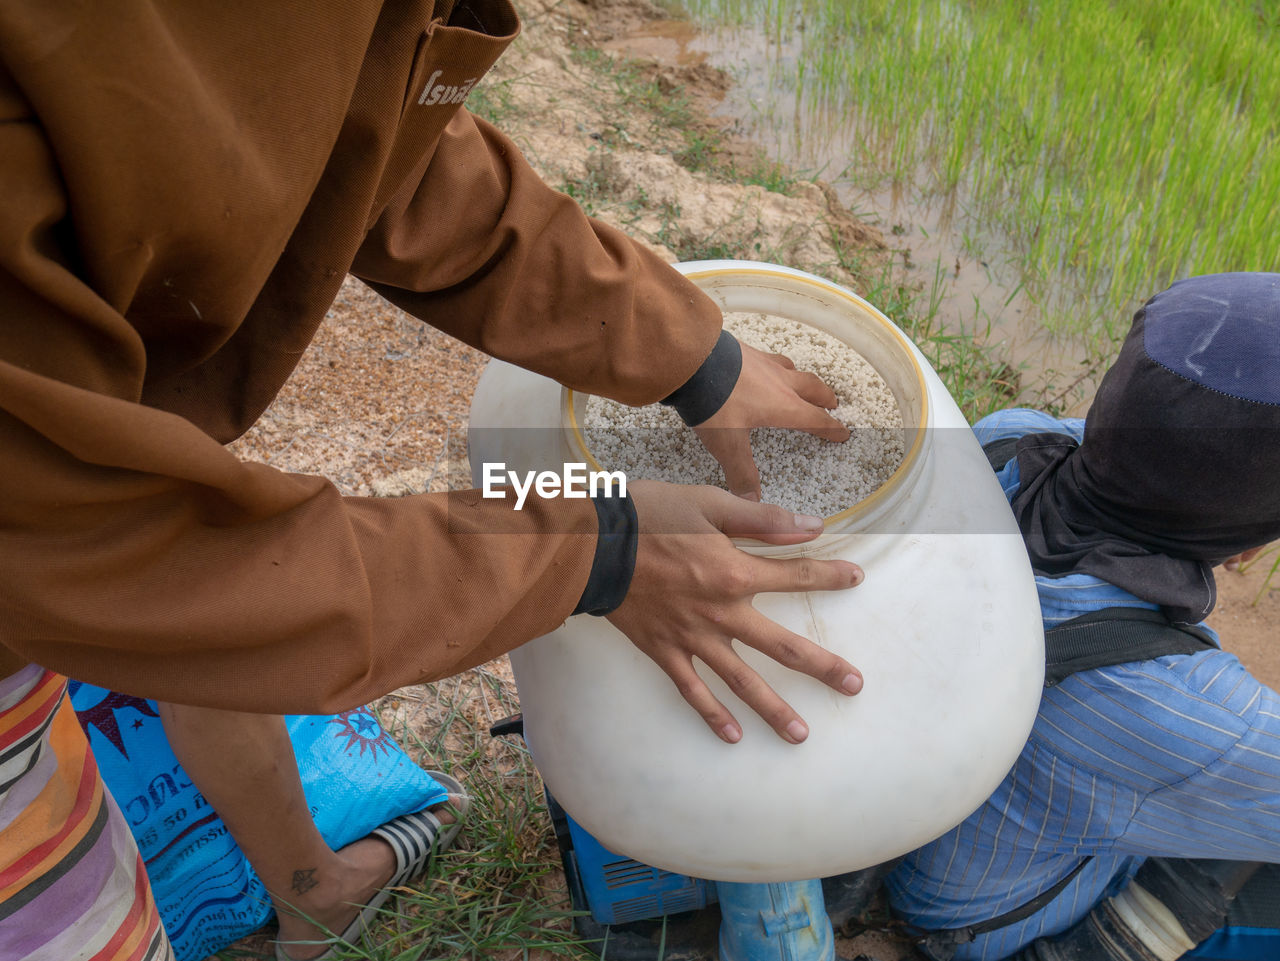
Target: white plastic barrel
(945,628)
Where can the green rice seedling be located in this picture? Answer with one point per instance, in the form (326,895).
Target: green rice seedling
(1117,147)
(1272,555)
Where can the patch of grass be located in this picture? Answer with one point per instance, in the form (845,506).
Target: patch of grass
(1115,147)
(769,174)
(498,894)
(701,150)
(975,373)
(602,183)
(491,100)
(736,238)
(660,111)
(586,190)
(1262,558)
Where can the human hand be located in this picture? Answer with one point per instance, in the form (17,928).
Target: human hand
(1236,561)
(690,596)
(770,392)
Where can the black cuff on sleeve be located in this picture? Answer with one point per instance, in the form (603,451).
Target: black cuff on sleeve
(711,384)
(615,559)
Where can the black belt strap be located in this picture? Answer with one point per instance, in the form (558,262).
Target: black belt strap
(1000,452)
(941,945)
(1116,635)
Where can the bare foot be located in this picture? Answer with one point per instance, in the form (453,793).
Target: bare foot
(334,895)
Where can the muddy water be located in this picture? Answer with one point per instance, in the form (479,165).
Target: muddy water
(972,279)
(967,272)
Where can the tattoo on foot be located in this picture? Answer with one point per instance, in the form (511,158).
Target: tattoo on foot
(304,880)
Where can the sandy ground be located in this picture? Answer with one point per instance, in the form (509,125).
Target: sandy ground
(379,397)
(1246,617)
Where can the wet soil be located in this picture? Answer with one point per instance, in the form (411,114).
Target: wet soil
(963,269)
(1248,610)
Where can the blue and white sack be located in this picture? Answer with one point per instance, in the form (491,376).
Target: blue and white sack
(354,775)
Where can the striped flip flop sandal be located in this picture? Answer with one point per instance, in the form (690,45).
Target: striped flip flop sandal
(415,838)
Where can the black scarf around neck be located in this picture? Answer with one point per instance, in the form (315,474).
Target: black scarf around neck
(1180,464)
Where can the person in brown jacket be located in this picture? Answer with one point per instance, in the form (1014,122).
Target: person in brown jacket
(183,189)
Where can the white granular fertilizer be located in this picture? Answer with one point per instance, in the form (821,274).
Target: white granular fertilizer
(798,471)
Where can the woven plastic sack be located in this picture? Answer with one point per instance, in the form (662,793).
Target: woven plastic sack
(354,775)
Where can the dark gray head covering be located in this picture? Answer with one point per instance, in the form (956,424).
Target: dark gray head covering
(1180,465)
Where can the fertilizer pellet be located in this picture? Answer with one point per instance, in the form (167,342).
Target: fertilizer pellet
(798,471)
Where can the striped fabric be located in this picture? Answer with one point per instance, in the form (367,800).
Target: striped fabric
(72,886)
(1177,756)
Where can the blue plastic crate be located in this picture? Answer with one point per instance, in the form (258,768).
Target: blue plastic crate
(613,888)
(620,889)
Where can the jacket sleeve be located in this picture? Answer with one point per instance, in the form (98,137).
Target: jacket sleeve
(138,553)
(479,246)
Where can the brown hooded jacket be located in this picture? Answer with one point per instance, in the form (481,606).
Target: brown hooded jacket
(183,188)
